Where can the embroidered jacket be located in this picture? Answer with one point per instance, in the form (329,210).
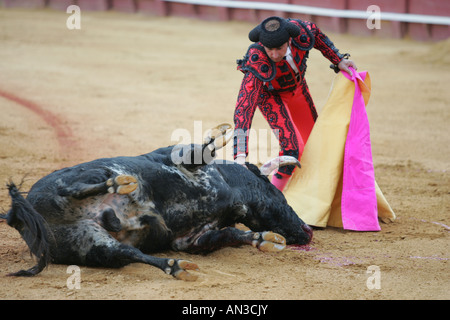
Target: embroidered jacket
(264,76)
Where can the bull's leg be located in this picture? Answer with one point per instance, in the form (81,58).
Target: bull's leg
(122,184)
(215,239)
(87,243)
(120,255)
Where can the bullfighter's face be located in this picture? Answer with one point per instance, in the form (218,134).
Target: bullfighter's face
(277,54)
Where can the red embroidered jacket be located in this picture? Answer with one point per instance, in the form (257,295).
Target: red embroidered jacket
(261,74)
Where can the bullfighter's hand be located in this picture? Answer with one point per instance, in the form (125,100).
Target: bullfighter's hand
(240,159)
(345,64)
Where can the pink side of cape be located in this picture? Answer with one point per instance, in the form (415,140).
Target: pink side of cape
(359,200)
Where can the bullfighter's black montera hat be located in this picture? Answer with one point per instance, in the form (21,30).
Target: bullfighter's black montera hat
(273,32)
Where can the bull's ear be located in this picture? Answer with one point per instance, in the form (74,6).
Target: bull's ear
(192,156)
(281,161)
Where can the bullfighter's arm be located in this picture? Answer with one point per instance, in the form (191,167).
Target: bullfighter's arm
(329,50)
(249,94)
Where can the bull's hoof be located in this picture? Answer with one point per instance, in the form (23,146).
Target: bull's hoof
(177,268)
(122,184)
(270,242)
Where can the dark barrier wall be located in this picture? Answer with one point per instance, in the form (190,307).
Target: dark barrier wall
(393,29)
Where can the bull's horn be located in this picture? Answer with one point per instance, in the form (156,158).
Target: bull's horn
(219,136)
(281,161)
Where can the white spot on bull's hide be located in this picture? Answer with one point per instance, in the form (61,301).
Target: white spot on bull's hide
(117,169)
(184,174)
(182,207)
(182,243)
(198,178)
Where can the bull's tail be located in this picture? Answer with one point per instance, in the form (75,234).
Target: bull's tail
(33,229)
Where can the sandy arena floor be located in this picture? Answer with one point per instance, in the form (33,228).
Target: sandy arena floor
(124,83)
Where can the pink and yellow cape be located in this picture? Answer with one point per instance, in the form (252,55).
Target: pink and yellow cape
(336,185)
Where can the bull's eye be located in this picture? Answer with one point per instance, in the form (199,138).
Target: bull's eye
(255,57)
(264,68)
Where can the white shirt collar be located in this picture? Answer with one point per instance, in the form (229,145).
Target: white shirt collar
(288,52)
(290,60)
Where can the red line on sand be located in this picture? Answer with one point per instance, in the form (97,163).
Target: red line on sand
(63,132)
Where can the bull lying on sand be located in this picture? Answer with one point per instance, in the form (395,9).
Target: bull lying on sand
(109,212)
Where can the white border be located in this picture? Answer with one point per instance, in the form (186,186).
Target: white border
(355,14)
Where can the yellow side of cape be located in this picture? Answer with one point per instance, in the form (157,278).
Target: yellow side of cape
(315,189)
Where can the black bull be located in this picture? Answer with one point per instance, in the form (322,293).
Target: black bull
(112,212)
